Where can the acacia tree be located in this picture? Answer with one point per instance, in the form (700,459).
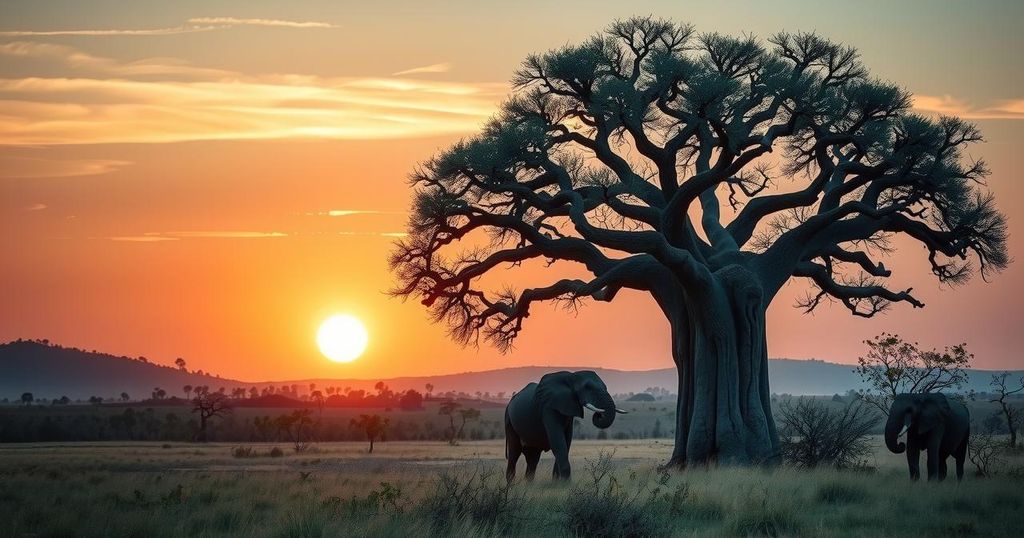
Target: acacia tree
(894,366)
(652,157)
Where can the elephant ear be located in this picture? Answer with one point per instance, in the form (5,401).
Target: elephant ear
(556,391)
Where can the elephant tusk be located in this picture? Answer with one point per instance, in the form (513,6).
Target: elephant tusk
(593,408)
(903,431)
(623,411)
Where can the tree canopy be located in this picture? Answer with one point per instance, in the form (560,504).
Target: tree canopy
(706,170)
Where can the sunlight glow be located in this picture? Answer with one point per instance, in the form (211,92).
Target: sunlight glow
(342,338)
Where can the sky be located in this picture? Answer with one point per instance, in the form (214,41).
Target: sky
(211,180)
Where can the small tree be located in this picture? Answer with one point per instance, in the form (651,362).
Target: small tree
(448,408)
(1009,411)
(180,363)
(411,400)
(372,425)
(468,415)
(298,425)
(430,389)
(159,393)
(814,435)
(894,366)
(209,405)
(188,391)
(125,397)
(27,398)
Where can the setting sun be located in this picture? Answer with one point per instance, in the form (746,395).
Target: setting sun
(342,338)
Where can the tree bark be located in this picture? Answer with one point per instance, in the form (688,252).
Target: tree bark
(723,414)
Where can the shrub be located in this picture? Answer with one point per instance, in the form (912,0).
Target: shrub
(601,506)
(276,452)
(815,435)
(765,521)
(243,452)
(479,498)
(985,450)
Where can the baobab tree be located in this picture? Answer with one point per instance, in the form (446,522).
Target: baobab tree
(707,171)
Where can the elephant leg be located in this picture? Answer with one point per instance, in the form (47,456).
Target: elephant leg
(555,429)
(914,461)
(960,455)
(934,455)
(532,458)
(513,448)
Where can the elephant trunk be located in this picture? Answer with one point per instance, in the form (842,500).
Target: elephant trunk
(606,416)
(893,428)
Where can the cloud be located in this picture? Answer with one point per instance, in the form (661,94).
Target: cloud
(99,33)
(33,167)
(434,68)
(233,21)
(81,60)
(142,238)
(196,24)
(36,207)
(45,111)
(349,212)
(217,235)
(1012,109)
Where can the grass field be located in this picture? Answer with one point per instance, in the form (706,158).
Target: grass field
(425,488)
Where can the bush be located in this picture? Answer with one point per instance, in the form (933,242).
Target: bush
(812,434)
(243,452)
(765,521)
(276,452)
(985,450)
(478,498)
(601,506)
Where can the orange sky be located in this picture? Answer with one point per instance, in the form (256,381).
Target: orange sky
(167,176)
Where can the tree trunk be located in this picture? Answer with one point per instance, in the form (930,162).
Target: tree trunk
(371,446)
(723,414)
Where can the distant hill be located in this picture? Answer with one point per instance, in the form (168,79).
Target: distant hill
(50,371)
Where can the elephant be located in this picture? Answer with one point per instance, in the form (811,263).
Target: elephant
(540,418)
(934,423)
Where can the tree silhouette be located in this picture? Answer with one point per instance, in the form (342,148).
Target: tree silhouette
(209,405)
(449,408)
(894,366)
(125,397)
(467,415)
(187,389)
(180,363)
(372,425)
(649,155)
(27,398)
(430,389)
(1011,413)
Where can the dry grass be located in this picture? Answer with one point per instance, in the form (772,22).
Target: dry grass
(137,489)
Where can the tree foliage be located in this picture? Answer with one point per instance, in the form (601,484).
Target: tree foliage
(894,366)
(610,153)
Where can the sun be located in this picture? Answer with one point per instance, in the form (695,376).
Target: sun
(342,338)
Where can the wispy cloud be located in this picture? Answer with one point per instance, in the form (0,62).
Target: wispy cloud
(1011,109)
(196,24)
(217,235)
(36,207)
(350,212)
(150,237)
(118,32)
(434,68)
(42,111)
(81,60)
(33,167)
(234,21)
